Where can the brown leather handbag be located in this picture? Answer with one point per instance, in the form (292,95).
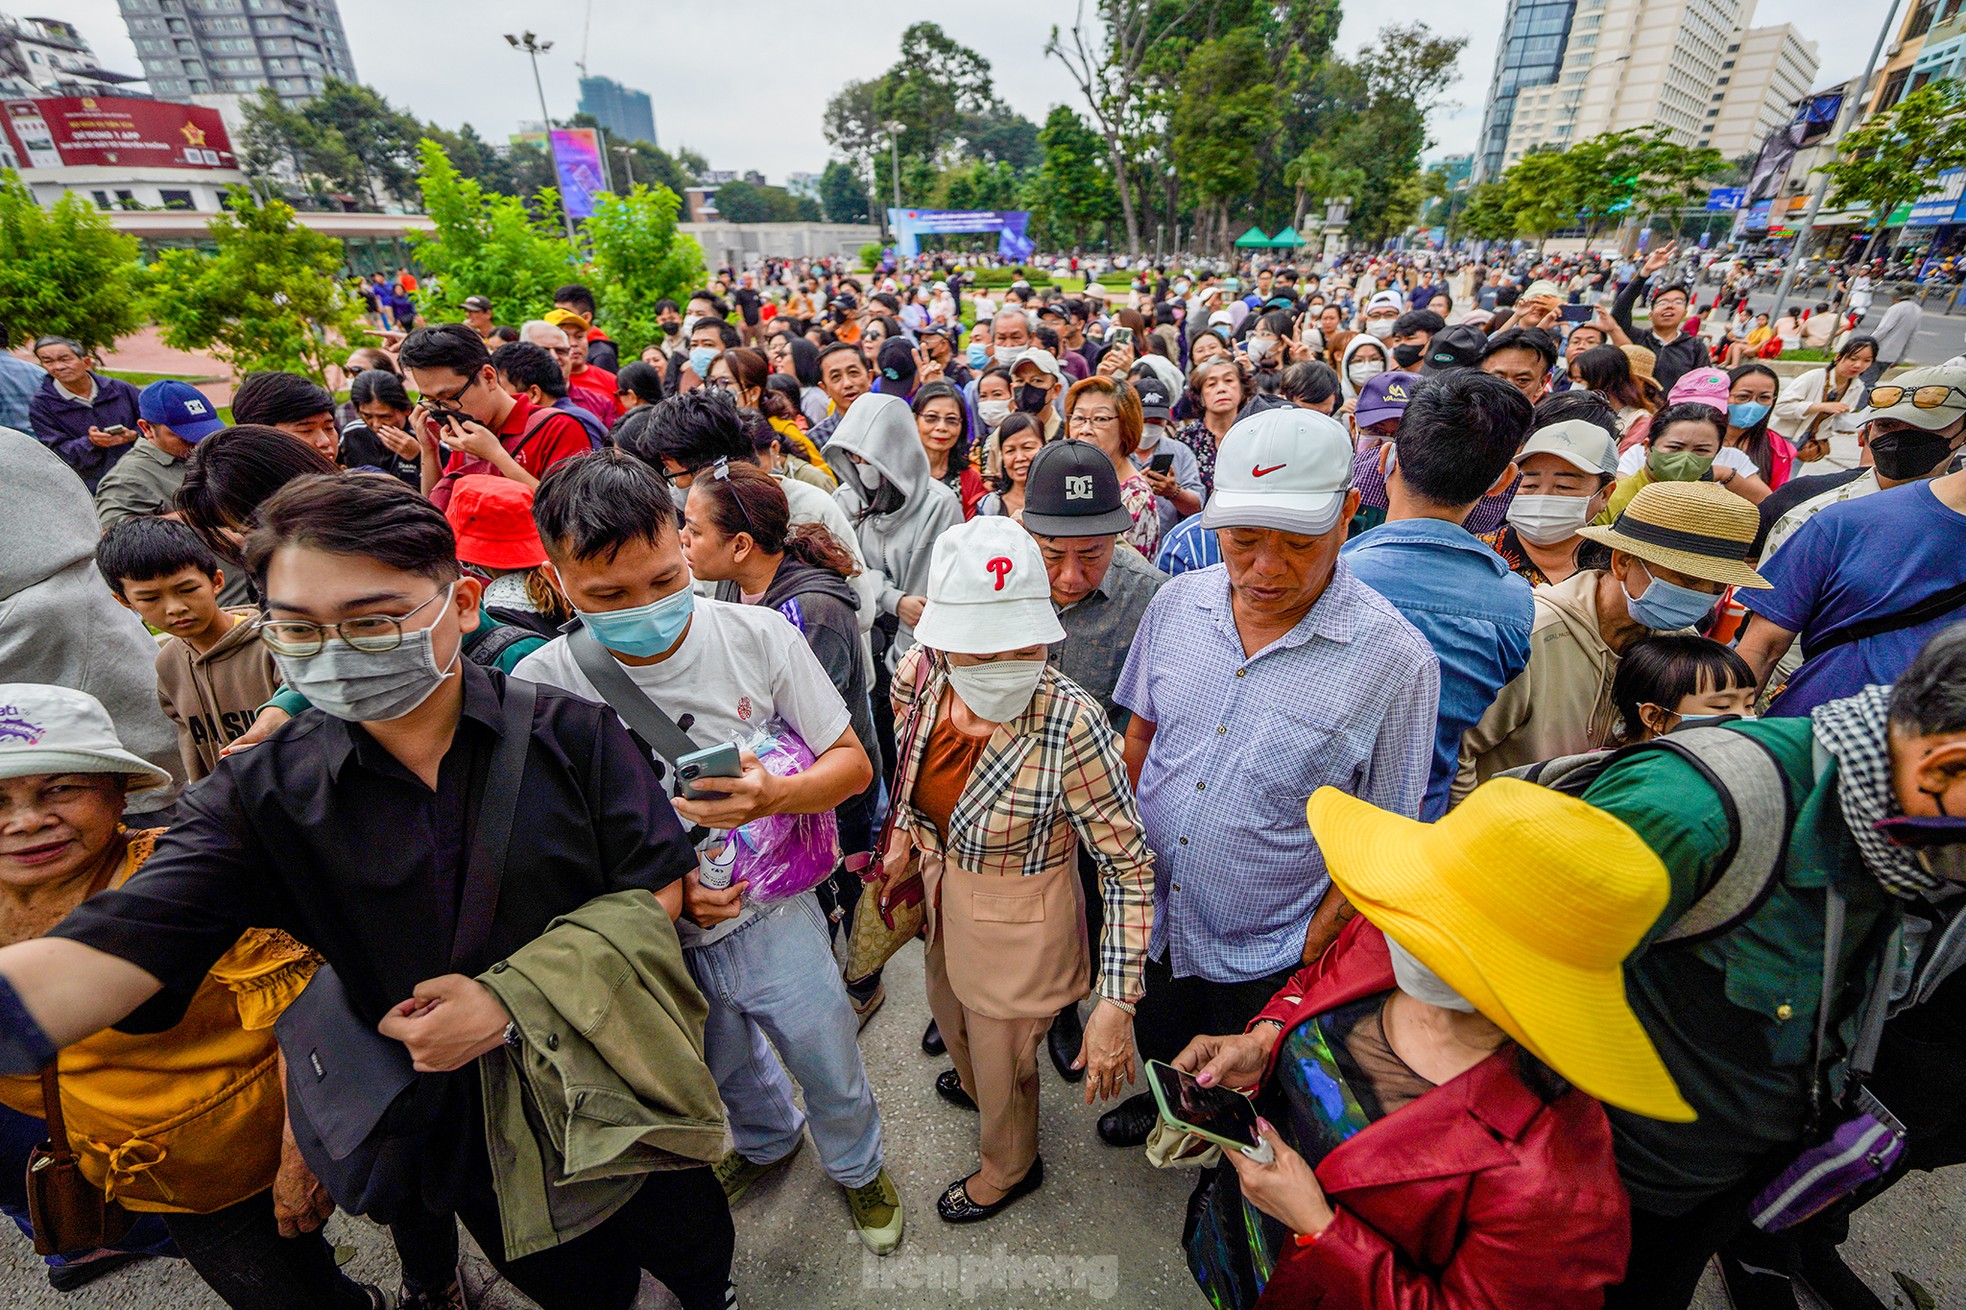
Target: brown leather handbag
(69,1213)
(884,923)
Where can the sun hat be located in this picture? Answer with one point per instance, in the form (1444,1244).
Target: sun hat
(50,729)
(1384,396)
(1696,528)
(1526,902)
(1942,387)
(1286,468)
(492,517)
(1642,361)
(1582,444)
(181,407)
(987,590)
(1701,386)
(1072,491)
(566,320)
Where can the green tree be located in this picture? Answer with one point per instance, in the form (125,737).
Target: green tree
(283,153)
(1615,176)
(639,258)
(1541,192)
(1227,104)
(841,194)
(741,202)
(484,244)
(64,271)
(269,297)
(1897,155)
(377,143)
(1073,190)
(1486,215)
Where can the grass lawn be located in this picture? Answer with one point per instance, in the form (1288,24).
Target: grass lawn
(138,379)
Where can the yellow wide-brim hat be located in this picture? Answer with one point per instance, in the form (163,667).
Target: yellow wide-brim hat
(1526,902)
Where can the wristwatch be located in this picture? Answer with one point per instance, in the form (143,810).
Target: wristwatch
(511,1038)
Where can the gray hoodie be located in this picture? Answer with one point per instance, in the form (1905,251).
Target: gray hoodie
(58,621)
(896,544)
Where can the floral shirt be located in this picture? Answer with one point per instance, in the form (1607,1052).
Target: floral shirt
(1138,498)
(1504,542)
(1194,434)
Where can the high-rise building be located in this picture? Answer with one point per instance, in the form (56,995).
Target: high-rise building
(209,47)
(1628,64)
(1765,71)
(627,114)
(48,57)
(1535,34)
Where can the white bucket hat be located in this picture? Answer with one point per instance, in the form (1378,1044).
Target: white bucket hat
(49,729)
(987,591)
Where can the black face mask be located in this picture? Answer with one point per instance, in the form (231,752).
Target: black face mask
(1031,399)
(671,329)
(1908,453)
(1408,355)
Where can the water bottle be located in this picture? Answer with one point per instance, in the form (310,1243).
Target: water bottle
(714,871)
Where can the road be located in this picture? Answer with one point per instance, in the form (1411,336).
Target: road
(1104,1230)
(1940,335)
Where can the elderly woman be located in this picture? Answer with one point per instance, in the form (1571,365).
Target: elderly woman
(186,1123)
(1106,413)
(1217,392)
(1448,1030)
(1006,770)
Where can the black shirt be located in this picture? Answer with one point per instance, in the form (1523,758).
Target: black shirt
(749,304)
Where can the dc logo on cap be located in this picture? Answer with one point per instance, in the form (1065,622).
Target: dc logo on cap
(1001,566)
(1077,488)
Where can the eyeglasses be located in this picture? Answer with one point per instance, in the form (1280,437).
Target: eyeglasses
(1928,397)
(370,633)
(721,472)
(445,406)
(1083,419)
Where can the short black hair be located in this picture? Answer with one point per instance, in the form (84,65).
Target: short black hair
(1418,320)
(505,332)
(717,306)
(695,429)
(379,386)
(635,376)
(1310,381)
(1668,289)
(359,515)
(592,505)
(273,398)
(1665,668)
(838,347)
(143,549)
(666,303)
(1460,431)
(1532,339)
(1687,411)
(573,293)
(726,330)
(526,365)
(230,474)
(453,346)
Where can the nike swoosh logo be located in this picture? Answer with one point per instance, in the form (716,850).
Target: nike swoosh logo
(1261,472)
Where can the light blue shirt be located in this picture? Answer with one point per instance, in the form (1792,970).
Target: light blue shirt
(1344,699)
(19,380)
(1189,547)
(1472,610)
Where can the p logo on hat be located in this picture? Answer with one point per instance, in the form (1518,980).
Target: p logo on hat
(1001,566)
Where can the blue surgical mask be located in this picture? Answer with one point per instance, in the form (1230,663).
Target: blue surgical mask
(978,356)
(1746,413)
(645,630)
(1667,607)
(700,360)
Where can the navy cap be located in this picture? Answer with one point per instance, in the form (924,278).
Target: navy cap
(1155,402)
(897,359)
(180,407)
(1457,347)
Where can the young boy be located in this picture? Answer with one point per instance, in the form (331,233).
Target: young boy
(212,672)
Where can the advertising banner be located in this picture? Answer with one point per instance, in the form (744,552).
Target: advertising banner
(582,171)
(73,131)
(1009,224)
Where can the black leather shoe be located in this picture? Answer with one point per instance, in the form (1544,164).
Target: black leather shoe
(1129,1122)
(932,1040)
(955,1207)
(949,1086)
(1067,1036)
(1833,1282)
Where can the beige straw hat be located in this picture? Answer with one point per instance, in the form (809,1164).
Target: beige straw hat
(1697,528)
(1642,361)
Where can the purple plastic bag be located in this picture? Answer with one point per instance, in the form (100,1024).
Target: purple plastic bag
(782,855)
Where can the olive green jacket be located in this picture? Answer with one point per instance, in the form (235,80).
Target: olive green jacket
(606,1081)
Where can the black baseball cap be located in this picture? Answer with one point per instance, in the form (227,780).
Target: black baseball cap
(478,303)
(897,360)
(1155,402)
(1456,347)
(1072,491)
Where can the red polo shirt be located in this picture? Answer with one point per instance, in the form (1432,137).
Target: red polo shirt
(556,437)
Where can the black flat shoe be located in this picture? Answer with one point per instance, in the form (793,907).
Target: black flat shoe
(80,1273)
(1065,1039)
(955,1207)
(932,1040)
(1129,1122)
(949,1086)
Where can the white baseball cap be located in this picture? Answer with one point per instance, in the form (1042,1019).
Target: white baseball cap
(987,591)
(1040,358)
(1286,468)
(1392,300)
(50,729)
(1576,441)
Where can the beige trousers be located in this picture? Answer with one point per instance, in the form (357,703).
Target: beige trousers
(997,1060)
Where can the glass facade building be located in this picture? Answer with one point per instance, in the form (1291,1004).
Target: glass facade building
(627,114)
(1534,36)
(204,47)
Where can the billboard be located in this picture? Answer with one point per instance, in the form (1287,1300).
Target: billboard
(911,224)
(1941,204)
(581,169)
(1723,199)
(114,131)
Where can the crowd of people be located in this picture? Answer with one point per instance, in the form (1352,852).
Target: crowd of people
(1520,747)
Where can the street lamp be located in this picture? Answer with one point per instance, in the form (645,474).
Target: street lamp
(534,48)
(894,131)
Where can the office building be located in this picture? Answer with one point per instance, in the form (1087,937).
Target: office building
(1535,34)
(209,47)
(1765,72)
(47,57)
(625,114)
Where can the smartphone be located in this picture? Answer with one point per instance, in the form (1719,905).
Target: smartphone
(1162,462)
(117,430)
(1120,336)
(710,762)
(1576,313)
(1214,1114)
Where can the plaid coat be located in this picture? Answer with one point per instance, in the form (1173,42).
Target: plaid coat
(1045,782)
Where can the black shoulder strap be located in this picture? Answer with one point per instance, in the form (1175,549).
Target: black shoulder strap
(1933,606)
(649,721)
(485,868)
(492,640)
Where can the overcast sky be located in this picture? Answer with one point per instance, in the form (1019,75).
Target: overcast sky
(744,82)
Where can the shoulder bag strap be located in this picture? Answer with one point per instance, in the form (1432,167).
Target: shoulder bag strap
(51,1111)
(1754,793)
(1834,915)
(650,722)
(485,867)
(1937,604)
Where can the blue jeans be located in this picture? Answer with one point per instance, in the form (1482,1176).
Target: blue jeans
(775,978)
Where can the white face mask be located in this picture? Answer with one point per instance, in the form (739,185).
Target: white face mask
(1380,327)
(992,412)
(1009,355)
(1260,348)
(1422,983)
(1362,371)
(1546,520)
(998,691)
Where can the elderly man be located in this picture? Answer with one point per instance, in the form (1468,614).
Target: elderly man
(1251,685)
(1010,335)
(590,385)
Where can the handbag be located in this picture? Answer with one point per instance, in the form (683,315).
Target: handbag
(1863,1148)
(69,1213)
(884,924)
(356,1104)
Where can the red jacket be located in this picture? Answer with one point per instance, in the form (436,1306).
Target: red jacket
(1476,1195)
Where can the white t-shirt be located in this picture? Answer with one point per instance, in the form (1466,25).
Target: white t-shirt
(1732,457)
(739,667)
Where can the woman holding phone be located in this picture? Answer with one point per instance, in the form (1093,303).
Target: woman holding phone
(1106,412)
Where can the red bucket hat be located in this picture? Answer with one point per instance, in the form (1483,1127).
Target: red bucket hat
(492,517)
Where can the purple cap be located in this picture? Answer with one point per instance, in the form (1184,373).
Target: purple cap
(1384,396)
(180,407)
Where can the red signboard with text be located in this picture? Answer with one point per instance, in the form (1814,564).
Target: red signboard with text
(120,131)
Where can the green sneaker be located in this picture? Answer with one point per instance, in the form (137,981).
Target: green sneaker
(876,1210)
(737,1174)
